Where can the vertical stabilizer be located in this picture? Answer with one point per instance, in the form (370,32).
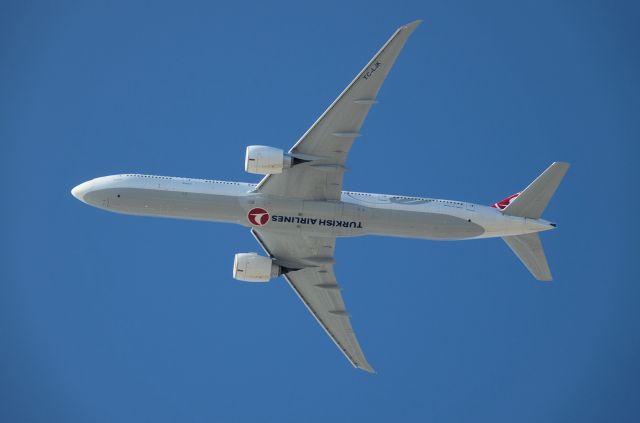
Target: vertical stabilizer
(529,250)
(534,199)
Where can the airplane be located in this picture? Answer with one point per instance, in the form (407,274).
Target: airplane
(299,208)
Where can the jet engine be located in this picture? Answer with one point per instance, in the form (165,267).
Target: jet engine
(266,160)
(251,267)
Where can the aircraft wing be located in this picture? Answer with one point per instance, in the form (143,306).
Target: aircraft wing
(316,285)
(329,139)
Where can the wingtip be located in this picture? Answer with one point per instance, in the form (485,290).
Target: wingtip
(412,25)
(545,277)
(565,165)
(364,366)
(368,369)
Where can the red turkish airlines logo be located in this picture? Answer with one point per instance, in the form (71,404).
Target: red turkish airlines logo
(501,205)
(258,216)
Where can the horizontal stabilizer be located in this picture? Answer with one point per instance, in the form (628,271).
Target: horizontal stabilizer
(529,250)
(534,199)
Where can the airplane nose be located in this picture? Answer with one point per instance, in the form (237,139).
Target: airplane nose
(80,190)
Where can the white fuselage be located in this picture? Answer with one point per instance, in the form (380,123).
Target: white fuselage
(356,214)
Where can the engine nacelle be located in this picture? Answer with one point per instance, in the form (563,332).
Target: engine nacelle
(266,160)
(251,267)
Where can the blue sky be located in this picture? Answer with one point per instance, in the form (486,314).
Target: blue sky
(105,317)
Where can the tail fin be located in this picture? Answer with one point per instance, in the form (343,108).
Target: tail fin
(502,204)
(529,250)
(530,203)
(534,199)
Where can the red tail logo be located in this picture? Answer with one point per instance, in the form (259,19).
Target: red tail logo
(258,216)
(501,205)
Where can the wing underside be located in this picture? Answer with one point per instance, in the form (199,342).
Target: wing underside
(316,285)
(329,140)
